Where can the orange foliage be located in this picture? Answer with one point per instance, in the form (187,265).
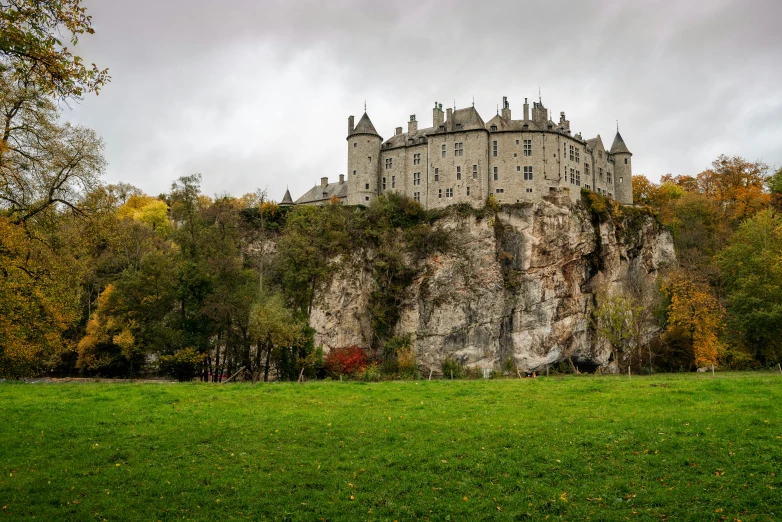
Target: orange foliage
(695,312)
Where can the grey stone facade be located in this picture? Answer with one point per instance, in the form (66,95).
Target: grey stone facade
(462,159)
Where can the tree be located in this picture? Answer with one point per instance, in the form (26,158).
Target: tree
(30,48)
(39,301)
(738,185)
(613,325)
(693,313)
(148,210)
(751,268)
(43,163)
(272,326)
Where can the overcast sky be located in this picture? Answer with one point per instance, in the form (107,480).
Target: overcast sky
(256,93)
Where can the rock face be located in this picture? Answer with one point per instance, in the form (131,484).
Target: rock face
(516,286)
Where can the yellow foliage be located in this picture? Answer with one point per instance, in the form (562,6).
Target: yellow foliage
(148,210)
(38,302)
(695,311)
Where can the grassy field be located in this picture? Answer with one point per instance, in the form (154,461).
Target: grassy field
(688,447)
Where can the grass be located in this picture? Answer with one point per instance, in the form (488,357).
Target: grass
(688,447)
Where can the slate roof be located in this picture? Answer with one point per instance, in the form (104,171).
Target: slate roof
(286,199)
(400,140)
(365,126)
(320,193)
(619,145)
(468,118)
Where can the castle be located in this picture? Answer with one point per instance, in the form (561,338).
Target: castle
(461,159)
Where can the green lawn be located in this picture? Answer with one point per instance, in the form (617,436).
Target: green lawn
(688,447)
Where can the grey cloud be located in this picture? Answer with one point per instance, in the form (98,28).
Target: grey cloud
(256,94)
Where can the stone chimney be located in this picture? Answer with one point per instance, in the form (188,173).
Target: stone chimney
(437,115)
(351,126)
(526,110)
(412,126)
(341,179)
(398,131)
(449,119)
(505,108)
(564,123)
(324,181)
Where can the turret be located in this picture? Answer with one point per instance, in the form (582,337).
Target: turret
(363,161)
(623,170)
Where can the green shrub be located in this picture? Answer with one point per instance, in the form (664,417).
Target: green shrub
(452,369)
(182,365)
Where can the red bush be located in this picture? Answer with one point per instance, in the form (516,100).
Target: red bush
(346,360)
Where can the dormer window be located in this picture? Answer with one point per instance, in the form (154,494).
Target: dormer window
(458,126)
(493,127)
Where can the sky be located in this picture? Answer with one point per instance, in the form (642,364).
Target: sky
(255,94)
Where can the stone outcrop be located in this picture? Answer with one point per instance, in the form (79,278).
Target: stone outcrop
(517,285)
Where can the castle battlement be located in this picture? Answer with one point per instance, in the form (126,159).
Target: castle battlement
(462,159)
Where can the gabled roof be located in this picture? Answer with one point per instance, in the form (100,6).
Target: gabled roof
(619,145)
(501,123)
(321,193)
(595,143)
(365,126)
(468,118)
(286,199)
(400,140)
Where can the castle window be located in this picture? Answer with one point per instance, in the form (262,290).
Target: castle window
(354,172)
(610,195)
(494,127)
(517,142)
(572,155)
(417,196)
(443,150)
(578,159)
(367,186)
(586,186)
(369,159)
(518,169)
(528,173)
(416,159)
(515,155)
(468,191)
(393,181)
(449,193)
(496,174)
(586,169)
(437,174)
(458,126)
(384,183)
(621,179)
(608,177)
(366,198)
(600,172)
(389,163)
(578,178)
(528,147)
(354,144)
(458,173)
(458,149)
(499,190)
(625,161)
(494,148)
(529,190)
(475,172)
(439,193)
(416,178)
(572,176)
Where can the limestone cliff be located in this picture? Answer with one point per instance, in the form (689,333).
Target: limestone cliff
(516,284)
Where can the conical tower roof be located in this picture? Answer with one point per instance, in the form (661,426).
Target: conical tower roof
(365,126)
(619,145)
(286,199)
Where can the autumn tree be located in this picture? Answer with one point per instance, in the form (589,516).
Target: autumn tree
(32,52)
(273,327)
(694,315)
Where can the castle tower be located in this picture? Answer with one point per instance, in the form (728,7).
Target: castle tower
(363,161)
(623,170)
